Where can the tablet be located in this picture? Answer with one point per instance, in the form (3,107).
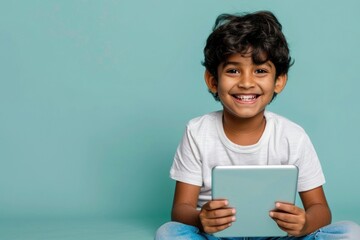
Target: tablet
(253,191)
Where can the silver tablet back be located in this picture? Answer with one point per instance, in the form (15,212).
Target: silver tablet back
(253,191)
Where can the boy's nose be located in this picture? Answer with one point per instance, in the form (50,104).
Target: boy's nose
(246,81)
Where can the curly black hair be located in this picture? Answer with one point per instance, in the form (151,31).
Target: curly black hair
(259,32)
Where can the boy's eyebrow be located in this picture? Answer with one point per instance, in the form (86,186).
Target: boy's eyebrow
(230,63)
(238,63)
(266,63)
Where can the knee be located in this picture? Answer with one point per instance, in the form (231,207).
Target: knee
(343,229)
(164,231)
(352,229)
(172,230)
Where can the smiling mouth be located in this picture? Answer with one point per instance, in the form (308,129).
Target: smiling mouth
(246,98)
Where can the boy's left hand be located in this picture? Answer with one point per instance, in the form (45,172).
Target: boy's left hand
(289,218)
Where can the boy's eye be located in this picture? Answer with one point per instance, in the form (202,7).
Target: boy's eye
(232,71)
(260,71)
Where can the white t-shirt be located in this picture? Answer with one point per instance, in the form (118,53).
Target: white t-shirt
(205,145)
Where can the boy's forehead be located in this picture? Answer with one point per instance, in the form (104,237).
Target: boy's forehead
(238,58)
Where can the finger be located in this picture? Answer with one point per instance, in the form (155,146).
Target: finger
(217,224)
(220,213)
(214,229)
(287,207)
(284,217)
(287,225)
(293,228)
(290,228)
(216,204)
(219,221)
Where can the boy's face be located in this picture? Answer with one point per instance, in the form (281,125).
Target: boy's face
(245,89)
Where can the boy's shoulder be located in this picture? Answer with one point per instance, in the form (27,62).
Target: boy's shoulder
(204,121)
(284,124)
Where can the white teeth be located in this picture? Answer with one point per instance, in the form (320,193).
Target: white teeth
(246,97)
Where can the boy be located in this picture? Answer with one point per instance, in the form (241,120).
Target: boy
(247,60)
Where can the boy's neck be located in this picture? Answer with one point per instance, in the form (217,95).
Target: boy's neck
(244,131)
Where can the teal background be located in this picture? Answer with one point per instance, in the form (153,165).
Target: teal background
(95,95)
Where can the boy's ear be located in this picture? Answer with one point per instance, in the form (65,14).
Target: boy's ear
(280,83)
(211,82)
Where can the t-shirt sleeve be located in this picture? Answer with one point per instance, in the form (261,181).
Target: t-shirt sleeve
(310,171)
(186,166)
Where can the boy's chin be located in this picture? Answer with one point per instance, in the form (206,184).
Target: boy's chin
(246,114)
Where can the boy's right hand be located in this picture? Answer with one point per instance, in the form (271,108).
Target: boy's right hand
(216,215)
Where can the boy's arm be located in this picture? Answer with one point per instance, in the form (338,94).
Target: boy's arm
(318,213)
(299,222)
(214,216)
(185,203)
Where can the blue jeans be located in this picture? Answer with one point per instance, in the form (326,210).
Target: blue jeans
(179,231)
